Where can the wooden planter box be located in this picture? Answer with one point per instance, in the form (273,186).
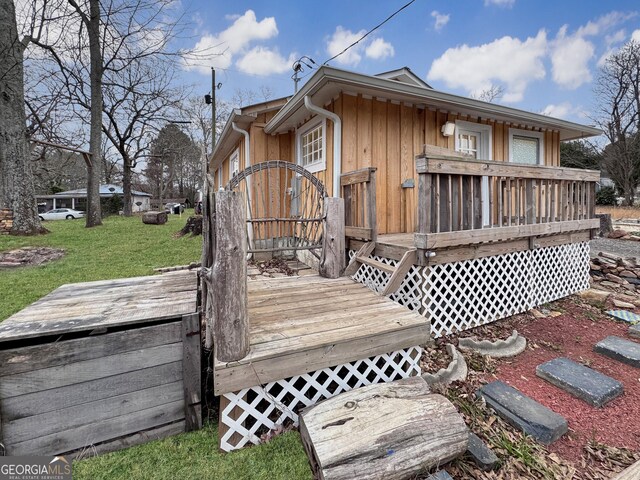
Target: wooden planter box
(100,389)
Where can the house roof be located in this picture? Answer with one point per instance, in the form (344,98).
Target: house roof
(243,117)
(404,75)
(105,190)
(328,82)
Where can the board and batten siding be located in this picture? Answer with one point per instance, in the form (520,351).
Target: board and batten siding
(101,391)
(386,135)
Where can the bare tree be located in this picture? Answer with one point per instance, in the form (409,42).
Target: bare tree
(16,178)
(490,94)
(618,92)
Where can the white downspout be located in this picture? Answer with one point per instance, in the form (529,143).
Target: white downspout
(247,161)
(337,141)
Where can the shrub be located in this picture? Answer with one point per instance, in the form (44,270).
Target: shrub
(606,196)
(111,205)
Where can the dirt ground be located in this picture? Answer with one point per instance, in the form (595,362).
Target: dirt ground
(600,441)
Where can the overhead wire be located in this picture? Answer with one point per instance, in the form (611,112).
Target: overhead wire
(370,31)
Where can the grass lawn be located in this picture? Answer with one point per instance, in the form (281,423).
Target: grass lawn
(121,247)
(195,456)
(125,247)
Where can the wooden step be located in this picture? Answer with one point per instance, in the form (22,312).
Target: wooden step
(400,271)
(364,251)
(376,264)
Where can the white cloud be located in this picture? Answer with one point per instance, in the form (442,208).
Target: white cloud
(605,22)
(379,49)
(441,20)
(262,60)
(218,50)
(570,59)
(635,36)
(500,3)
(561,110)
(340,40)
(508,61)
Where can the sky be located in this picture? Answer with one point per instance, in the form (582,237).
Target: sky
(544,54)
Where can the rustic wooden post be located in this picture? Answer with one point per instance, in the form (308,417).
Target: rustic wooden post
(208,255)
(191,371)
(372,215)
(229,276)
(332,263)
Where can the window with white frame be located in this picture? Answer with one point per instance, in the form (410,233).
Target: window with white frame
(234,164)
(311,145)
(474,139)
(526,146)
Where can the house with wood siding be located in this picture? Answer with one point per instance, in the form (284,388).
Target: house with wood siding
(385,122)
(454,208)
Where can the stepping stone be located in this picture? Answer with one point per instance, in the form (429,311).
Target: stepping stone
(482,455)
(634,331)
(543,424)
(624,315)
(583,382)
(624,351)
(440,475)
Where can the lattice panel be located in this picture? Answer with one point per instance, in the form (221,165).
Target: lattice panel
(256,410)
(410,291)
(558,271)
(466,294)
(462,295)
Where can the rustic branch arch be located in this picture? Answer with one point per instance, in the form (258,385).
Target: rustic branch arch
(284,206)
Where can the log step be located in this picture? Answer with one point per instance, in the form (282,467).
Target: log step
(582,382)
(533,418)
(620,349)
(391,430)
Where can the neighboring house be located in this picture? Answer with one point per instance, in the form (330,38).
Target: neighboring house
(384,121)
(77,199)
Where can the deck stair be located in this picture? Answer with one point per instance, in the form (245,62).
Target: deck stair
(396,273)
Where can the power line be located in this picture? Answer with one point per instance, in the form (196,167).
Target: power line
(370,31)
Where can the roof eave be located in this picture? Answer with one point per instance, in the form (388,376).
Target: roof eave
(324,75)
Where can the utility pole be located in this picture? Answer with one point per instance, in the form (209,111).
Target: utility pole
(213,108)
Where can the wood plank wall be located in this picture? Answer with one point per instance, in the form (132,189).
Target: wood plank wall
(386,135)
(71,394)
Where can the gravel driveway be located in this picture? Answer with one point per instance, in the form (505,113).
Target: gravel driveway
(624,248)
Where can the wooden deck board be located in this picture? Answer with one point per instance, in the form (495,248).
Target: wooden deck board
(105,303)
(302,324)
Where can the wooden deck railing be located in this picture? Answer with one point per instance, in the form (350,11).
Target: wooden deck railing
(462,201)
(358,188)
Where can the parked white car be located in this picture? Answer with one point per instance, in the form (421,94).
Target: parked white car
(61,214)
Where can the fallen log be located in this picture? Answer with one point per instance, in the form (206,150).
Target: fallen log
(390,430)
(154,218)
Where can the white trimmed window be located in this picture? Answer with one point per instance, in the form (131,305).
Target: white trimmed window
(234,163)
(474,139)
(311,145)
(526,146)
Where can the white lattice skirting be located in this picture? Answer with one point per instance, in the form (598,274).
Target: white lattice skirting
(256,410)
(462,295)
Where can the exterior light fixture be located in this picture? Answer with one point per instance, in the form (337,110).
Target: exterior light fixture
(448,129)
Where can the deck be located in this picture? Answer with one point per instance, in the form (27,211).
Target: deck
(303,324)
(104,304)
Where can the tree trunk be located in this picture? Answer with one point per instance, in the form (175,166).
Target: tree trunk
(126,186)
(16,178)
(391,430)
(94,211)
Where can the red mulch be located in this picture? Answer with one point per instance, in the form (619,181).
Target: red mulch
(573,335)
